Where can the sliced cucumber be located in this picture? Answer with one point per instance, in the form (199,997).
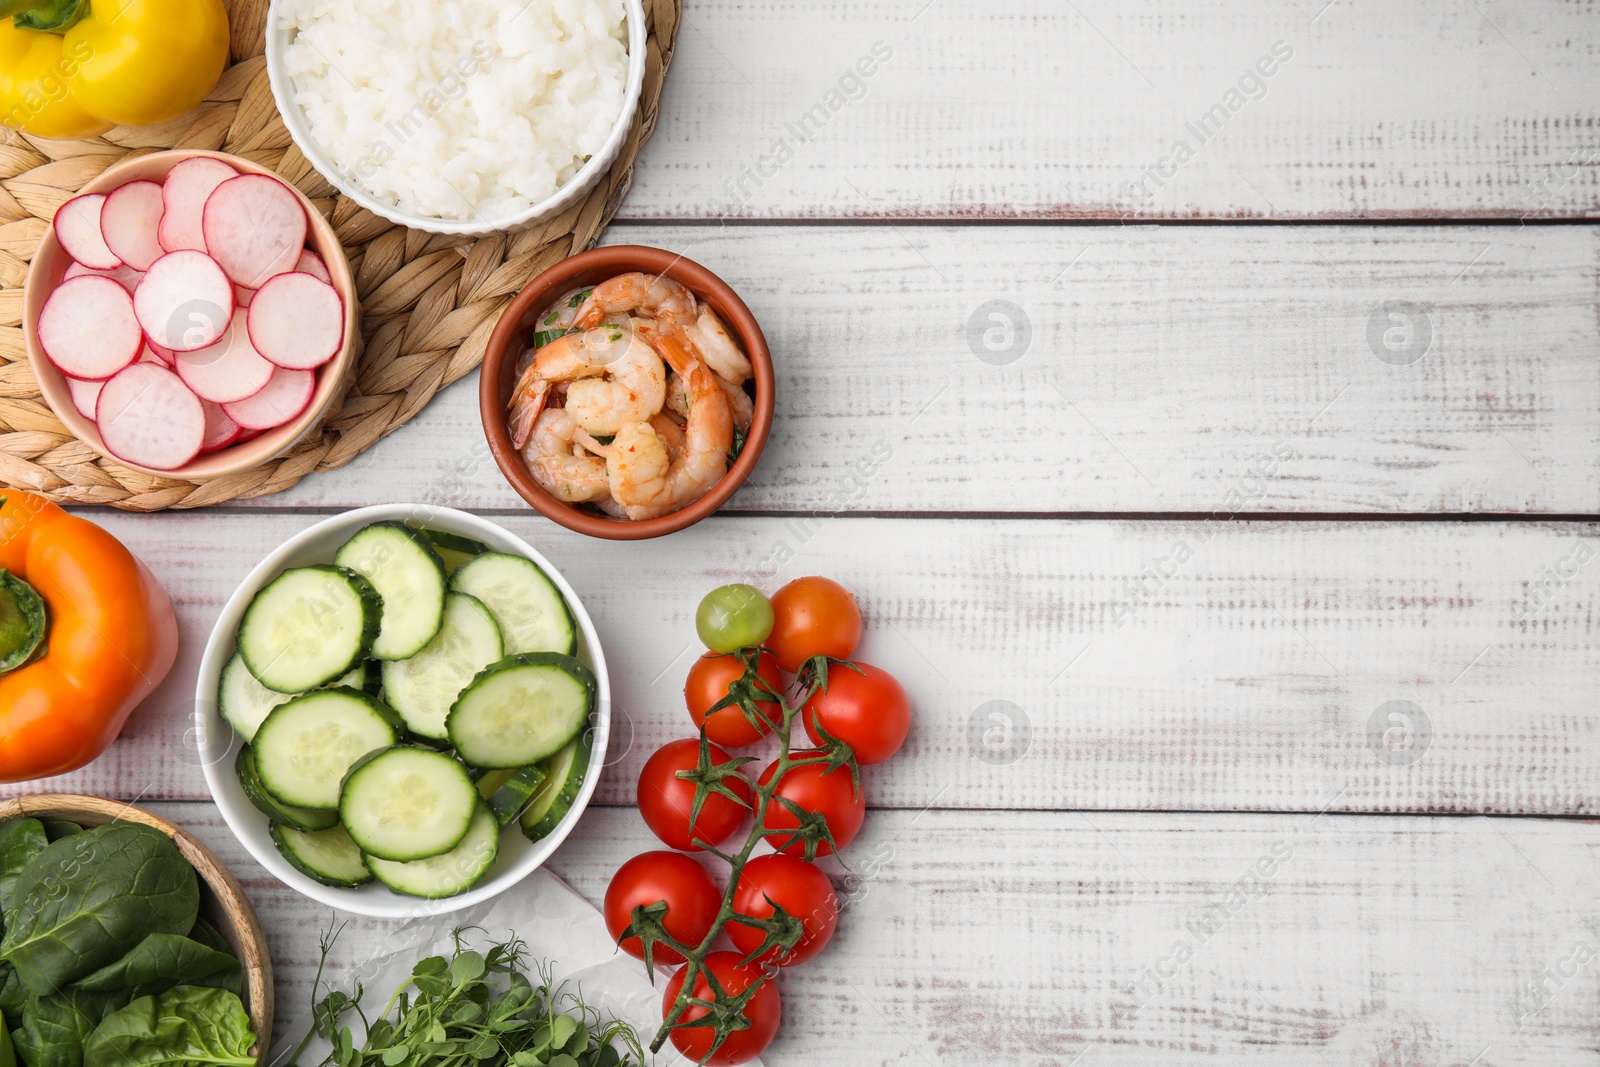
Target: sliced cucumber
(423,687)
(308,626)
(299,818)
(454,872)
(408,575)
(521,710)
(306,746)
(454,549)
(245,702)
(559,791)
(532,615)
(329,856)
(408,803)
(509,792)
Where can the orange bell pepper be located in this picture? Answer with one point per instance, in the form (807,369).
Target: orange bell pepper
(108,638)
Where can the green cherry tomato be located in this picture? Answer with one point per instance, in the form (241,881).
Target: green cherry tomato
(732,617)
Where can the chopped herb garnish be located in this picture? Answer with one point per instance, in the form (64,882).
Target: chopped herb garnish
(738,445)
(552,318)
(544,337)
(605,438)
(580,298)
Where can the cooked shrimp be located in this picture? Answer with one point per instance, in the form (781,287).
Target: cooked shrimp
(644,478)
(740,405)
(671,434)
(677,396)
(559,465)
(567,357)
(613,376)
(719,351)
(649,294)
(528,399)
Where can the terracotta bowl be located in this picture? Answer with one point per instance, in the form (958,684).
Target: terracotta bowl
(50,262)
(511,338)
(222,900)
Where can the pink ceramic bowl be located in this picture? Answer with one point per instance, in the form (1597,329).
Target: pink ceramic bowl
(50,262)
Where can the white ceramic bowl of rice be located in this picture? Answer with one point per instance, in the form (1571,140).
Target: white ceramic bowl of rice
(458,118)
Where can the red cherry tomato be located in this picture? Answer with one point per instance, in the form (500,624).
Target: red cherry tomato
(665,800)
(764,1011)
(833,796)
(797,887)
(813,617)
(867,709)
(692,900)
(710,679)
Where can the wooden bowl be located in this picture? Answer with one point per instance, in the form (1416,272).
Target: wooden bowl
(222,900)
(50,262)
(511,338)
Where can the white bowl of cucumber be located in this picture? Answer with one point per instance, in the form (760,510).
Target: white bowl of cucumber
(403,711)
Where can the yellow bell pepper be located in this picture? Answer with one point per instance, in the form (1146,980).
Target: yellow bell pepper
(75,68)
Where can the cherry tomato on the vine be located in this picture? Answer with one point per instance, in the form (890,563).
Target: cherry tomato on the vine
(764,1011)
(801,890)
(666,801)
(813,617)
(710,680)
(692,900)
(733,616)
(832,795)
(865,707)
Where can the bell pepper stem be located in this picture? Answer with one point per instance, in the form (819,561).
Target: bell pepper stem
(22,622)
(51,16)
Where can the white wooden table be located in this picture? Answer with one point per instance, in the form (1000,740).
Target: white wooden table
(1227,510)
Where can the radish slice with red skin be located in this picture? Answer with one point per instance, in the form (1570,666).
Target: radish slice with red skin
(285,397)
(84,328)
(184,196)
(124,276)
(166,355)
(77,226)
(227,371)
(254,227)
(128,222)
(221,431)
(185,301)
(311,263)
(242,296)
(149,417)
(84,395)
(297,321)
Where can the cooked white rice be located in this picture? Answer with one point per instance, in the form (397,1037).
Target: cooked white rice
(471,110)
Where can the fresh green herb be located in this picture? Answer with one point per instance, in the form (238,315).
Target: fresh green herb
(473,1008)
(579,298)
(605,438)
(544,337)
(188,1026)
(738,444)
(552,318)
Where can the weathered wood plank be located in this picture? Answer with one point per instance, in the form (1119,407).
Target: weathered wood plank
(1179,369)
(1081,665)
(968,108)
(1043,936)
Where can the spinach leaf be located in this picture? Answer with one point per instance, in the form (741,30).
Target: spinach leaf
(54,1028)
(208,936)
(86,900)
(162,961)
(56,829)
(189,1026)
(12,995)
(20,841)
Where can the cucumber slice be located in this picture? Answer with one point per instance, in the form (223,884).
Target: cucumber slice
(521,710)
(245,702)
(329,856)
(408,803)
(423,687)
(408,575)
(454,872)
(308,626)
(532,615)
(453,549)
(509,792)
(299,818)
(559,791)
(306,746)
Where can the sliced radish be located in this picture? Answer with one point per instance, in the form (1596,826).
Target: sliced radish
(88,329)
(84,395)
(124,276)
(311,263)
(185,301)
(167,355)
(221,431)
(77,227)
(149,417)
(297,321)
(255,227)
(184,198)
(128,222)
(147,356)
(242,296)
(227,371)
(284,397)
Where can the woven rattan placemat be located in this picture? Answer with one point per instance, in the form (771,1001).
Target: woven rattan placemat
(428,302)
